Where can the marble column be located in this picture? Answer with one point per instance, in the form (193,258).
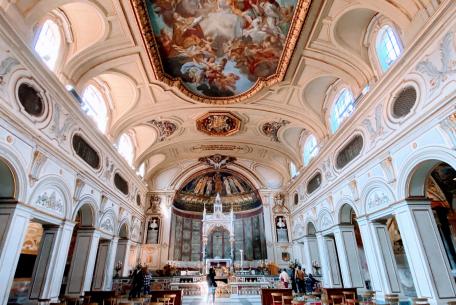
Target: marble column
(425,251)
(165,228)
(14,220)
(310,253)
(83,261)
(380,258)
(102,279)
(50,262)
(268,226)
(123,250)
(348,253)
(329,263)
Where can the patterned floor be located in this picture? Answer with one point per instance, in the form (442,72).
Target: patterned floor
(251,300)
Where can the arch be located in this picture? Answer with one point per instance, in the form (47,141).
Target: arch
(52,194)
(11,159)
(88,210)
(124,230)
(49,43)
(310,150)
(342,207)
(345,213)
(417,167)
(310,228)
(8,185)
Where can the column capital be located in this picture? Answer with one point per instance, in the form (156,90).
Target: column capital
(412,203)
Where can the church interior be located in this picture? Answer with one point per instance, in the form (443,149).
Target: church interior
(227,152)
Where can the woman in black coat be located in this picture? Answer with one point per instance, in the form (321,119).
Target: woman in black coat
(211,285)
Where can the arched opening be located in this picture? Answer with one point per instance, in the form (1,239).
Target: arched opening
(342,108)
(348,219)
(7,181)
(388,47)
(436,180)
(121,266)
(311,231)
(49,42)
(75,273)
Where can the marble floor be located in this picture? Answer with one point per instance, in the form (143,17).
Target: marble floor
(242,300)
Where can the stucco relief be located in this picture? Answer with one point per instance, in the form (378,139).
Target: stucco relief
(271,129)
(375,130)
(60,125)
(439,73)
(52,202)
(6,65)
(165,128)
(326,221)
(449,127)
(107,225)
(219,124)
(376,200)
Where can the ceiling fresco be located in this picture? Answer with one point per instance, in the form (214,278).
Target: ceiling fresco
(220,51)
(200,191)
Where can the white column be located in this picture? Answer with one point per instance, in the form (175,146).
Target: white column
(50,263)
(268,226)
(297,252)
(349,262)
(165,228)
(425,252)
(14,220)
(83,262)
(329,263)
(380,258)
(310,252)
(102,279)
(122,253)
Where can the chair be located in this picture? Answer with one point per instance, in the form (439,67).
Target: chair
(124,303)
(420,300)
(72,300)
(349,298)
(138,301)
(165,301)
(392,299)
(155,303)
(286,299)
(368,298)
(337,299)
(276,298)
(172,298)
(110,301)
(298,302)
(86,299)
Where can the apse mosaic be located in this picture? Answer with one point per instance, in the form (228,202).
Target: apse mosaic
(235,191)
(220,51)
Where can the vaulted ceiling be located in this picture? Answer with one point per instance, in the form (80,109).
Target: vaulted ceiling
(105,43)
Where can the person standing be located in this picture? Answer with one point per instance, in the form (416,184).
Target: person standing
(147,280)
(211,285)
(284,278)
(310,283)
(300,276)
(137,282)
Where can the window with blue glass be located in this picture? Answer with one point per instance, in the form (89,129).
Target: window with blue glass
(388,47)
(94,106)
(342,109)
(293,170)
(310,149)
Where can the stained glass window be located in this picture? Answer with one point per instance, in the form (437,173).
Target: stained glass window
(94,106)
(48,44)
(310,149)
(388,47)
(342,109)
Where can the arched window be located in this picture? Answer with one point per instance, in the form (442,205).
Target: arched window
(94,106)
(388,47)
(342,109)
(125,148)
(141,171)
(48,44)
(310,149)
(293,170)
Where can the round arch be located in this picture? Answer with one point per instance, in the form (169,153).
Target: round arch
(87,211)
(417,167)
(13,169)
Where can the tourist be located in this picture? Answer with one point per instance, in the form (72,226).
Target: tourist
(284,278)
(300,276)
(147,280)
(310,283)
(137,281)
(211,285)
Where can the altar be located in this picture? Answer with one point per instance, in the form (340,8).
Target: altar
(218,263)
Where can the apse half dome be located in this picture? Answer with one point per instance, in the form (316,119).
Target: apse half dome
(223,51)
(200,191)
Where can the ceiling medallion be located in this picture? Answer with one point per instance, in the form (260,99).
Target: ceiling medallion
(219,124)
(220,52)
(217,161)
(165,128)
(271,129)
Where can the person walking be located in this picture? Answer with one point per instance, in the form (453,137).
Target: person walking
(211,285)
(284,278)
(300,276)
